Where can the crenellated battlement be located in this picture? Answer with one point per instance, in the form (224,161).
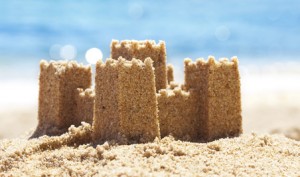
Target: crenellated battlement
(135,46)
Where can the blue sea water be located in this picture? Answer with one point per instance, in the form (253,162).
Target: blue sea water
(251,29)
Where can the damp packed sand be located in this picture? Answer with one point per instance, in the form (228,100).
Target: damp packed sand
(68,155)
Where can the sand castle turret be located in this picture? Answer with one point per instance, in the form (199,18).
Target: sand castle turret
(125,102)
(57,95)
(136,100)
(130,49)
(217,86)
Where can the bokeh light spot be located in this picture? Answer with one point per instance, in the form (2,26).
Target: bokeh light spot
(54,52)
(68,52)
(93,55)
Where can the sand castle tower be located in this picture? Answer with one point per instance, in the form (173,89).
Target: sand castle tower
(58,82)
(216,85)
(125,102)
(130,49)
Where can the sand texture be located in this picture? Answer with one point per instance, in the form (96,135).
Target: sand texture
(68,155)
(293,132)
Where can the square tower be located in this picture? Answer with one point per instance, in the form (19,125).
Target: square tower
(217,86)
(125,101)
(58,82)
(130,49)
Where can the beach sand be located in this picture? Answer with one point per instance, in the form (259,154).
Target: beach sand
(248,155)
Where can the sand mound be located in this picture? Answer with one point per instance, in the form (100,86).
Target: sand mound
(293,132)
(68,155)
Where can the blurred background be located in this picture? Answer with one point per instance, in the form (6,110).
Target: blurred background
(263,34)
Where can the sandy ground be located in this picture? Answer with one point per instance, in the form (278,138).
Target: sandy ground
(248,155)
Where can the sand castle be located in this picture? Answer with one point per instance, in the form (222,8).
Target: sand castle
(136,99)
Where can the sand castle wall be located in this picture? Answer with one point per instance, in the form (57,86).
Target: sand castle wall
(57,105)
(84,105)
(125,102)
(177,114)
(129,49)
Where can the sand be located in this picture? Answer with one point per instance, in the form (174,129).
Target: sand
(292,133)
(68,155)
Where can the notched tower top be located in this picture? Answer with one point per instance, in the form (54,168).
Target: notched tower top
(61,66)
(137,45)
(126,63)
(211,61)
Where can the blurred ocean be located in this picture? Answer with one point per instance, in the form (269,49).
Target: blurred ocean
(253,30)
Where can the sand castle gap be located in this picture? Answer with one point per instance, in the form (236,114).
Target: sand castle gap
(136,100)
